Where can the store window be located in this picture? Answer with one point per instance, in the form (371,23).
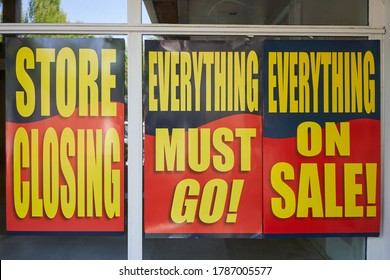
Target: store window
(285,248)
(245,12)
(61,245)
(264,12)
(90,246)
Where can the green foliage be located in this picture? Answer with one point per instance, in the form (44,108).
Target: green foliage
(48,11)
(45,11)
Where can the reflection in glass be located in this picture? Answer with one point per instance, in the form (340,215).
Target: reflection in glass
(267,12)
(68,11)
(10,11)
(96,11)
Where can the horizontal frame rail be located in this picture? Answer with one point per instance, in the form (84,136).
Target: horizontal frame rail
(190,29)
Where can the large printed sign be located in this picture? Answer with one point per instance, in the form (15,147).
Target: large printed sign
(203,138)
(321,138)
(64,135)
(309,167)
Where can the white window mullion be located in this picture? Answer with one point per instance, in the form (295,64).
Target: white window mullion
(135,134)
(135,144)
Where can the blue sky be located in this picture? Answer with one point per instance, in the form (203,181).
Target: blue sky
(93,11)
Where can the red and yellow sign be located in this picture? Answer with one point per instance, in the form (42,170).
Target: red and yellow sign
(203,138)
(64,135)
(321,138)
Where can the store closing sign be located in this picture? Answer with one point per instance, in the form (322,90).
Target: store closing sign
(64,132)
(203,136)
(321,137)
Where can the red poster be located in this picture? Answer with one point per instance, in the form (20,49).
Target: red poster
(64,135)
(321,145)
(203,139)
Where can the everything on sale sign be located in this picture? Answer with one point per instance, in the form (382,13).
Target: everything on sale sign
(321,142)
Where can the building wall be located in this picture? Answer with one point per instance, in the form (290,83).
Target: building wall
(379,248)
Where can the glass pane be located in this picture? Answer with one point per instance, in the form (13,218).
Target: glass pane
(10,11)
(64,11)
(95,11)
(168,244)
(266,12)
(58,246)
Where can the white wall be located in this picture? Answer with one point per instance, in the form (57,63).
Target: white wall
(379,248)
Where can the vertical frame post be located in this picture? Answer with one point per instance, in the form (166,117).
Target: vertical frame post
(134,107)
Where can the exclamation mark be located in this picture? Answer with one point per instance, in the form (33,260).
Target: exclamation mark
(234,200)
(371,189)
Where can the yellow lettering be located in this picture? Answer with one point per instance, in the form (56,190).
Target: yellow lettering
(213,201)
(352,189)
(21,189)
(175,104)
(304,88)
(36,201)
(88,88)
(108,82)
(50,174)
(199,149)
(293,82)
(239,81)
(282,207)
(68,192)
(66,82)
(335,138)
(369,85)
(252,96)
(112,177)
(94,173)
(170,150)
(25,100)
(152,78)
(185,81)
(331,207)
(45,57)
(309,139)
(272,103)
(185,188)
(225,161)
(245,135)
(220,81)
(81,173)
(309,193)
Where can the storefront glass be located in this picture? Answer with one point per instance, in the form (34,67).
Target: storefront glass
(66,243)
(337,247)
(64,11)
(264,12)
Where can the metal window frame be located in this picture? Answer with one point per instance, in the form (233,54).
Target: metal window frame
(135,30)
